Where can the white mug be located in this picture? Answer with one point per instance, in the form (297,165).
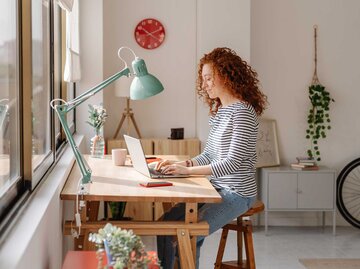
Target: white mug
(119,156)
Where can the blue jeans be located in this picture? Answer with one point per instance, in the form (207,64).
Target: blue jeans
(216,214)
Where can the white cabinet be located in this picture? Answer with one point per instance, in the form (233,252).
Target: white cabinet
(286,189)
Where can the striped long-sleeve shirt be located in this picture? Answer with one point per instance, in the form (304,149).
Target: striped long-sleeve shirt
(231,149)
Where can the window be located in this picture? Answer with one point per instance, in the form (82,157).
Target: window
(11,183)
(42,156)
(31,49)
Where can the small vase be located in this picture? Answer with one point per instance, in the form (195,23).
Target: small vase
(97,147)
(109,257)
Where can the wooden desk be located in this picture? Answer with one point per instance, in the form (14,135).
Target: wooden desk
(121,183)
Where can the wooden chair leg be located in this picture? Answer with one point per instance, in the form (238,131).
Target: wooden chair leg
(249,246)
(221,248)
(240,240)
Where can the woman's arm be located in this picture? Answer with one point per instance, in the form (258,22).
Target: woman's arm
(176,168)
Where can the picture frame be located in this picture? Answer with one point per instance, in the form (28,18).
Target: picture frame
(267,149)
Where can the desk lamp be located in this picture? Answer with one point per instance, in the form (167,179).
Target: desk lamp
(144,85)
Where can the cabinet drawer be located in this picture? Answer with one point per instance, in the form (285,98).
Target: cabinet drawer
(316,190)
(282,188)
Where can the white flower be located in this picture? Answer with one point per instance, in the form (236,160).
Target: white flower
(97,116)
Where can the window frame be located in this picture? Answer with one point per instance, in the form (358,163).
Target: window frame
(18,194)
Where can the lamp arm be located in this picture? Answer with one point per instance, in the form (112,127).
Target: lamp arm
(86,95)
(64,108)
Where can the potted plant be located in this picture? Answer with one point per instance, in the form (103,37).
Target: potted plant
(117,210)
(97,117)
(318,118)
(123,248)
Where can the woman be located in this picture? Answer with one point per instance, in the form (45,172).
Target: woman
(230,88)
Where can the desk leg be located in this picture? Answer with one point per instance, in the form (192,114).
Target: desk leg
(185,252)
(191,216)
(93,210)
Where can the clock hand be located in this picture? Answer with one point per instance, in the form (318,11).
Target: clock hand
(150,34)
(156,31)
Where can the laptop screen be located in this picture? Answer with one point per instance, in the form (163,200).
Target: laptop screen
(137,155)
(139,161)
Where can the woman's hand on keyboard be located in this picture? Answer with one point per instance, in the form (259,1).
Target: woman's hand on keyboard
(161,165)
(175,169)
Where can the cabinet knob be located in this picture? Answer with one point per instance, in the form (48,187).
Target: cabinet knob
(299,191)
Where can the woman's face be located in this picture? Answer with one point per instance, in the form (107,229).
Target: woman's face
(212,83)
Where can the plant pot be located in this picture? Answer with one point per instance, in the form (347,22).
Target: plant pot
(97,145)
(117,210)
(110,263)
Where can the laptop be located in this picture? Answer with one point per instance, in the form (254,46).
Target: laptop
(139,161)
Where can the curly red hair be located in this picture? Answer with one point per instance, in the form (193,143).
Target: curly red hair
(237,76)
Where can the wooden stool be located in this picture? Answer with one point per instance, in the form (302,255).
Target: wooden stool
(244,233)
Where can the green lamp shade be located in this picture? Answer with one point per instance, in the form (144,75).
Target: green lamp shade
(144,85)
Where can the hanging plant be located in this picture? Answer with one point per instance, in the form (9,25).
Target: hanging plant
(318,118)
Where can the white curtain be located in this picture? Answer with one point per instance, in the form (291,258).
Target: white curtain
(72,72)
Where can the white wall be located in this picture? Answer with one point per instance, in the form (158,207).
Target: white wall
(192,29)
(282,52)
(173,63)
(91,53)
(220,24)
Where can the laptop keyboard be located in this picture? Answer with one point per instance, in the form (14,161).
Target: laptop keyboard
(155,172)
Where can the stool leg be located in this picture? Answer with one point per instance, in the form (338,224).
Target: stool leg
(239,233)
(220,253)
(249,246)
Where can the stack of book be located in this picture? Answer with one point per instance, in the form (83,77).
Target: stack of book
(305,163)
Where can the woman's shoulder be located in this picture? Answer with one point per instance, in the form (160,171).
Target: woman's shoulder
(243,107)
(244,111)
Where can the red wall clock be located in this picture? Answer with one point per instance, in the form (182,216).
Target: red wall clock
(149,33)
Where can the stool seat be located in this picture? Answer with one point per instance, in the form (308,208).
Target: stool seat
(244,235)
(257,207)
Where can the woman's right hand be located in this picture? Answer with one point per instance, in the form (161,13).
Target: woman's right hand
(162,164)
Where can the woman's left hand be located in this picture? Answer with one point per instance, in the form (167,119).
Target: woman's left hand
(174,169)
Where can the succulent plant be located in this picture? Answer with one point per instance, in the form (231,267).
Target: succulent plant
(126,248)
